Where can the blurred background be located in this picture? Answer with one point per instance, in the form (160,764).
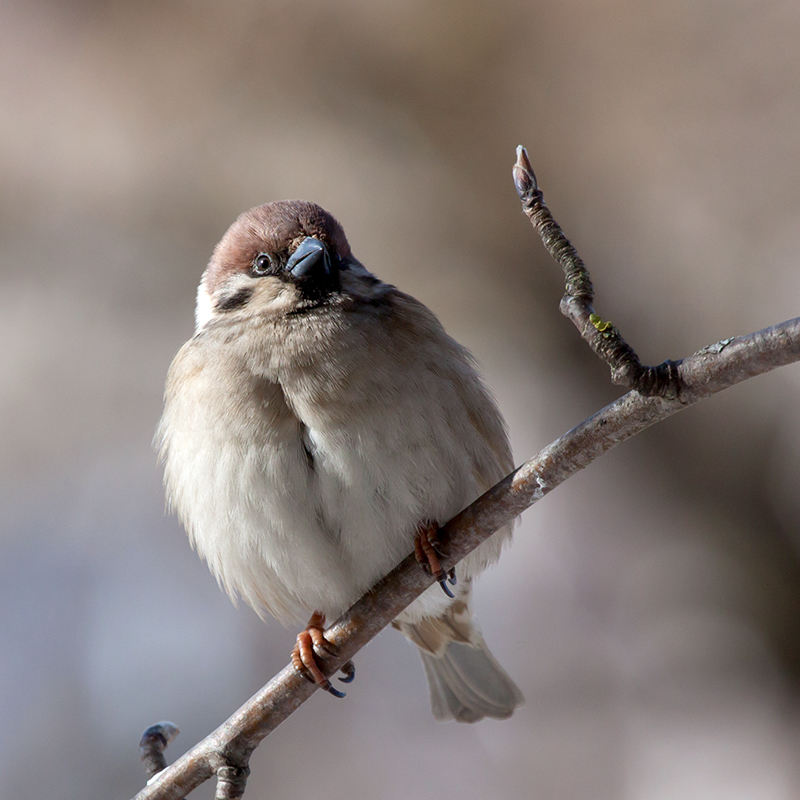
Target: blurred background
(649,609)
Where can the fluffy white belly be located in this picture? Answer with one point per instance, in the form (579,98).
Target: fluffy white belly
(302,480)
(294,512)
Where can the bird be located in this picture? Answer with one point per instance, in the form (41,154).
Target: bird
(318,427)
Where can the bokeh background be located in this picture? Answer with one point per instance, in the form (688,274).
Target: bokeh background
(649,609)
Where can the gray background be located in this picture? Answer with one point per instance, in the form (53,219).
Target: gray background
(649,609)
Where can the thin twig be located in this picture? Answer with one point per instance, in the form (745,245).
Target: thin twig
(153,743)
(576,304)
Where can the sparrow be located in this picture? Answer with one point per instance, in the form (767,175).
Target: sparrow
(317,428)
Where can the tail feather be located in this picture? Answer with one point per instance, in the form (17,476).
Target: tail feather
(467,684)
(465,680)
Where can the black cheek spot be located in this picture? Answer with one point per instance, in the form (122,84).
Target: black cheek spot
(235,300)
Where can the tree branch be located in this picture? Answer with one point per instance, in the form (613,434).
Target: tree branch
(227,750)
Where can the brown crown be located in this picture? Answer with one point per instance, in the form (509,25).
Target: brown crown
(272,228)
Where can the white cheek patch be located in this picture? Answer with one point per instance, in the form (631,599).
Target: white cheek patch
(234,292)
(204,308)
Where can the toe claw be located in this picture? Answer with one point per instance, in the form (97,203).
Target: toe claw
(451,577)
(349,671)
(445,587)
(331,689)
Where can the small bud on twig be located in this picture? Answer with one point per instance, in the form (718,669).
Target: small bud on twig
(524,176)
(153,743)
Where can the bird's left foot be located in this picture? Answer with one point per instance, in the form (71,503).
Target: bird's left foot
(427,549)
(311,642)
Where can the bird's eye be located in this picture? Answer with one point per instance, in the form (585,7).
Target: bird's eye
(263,264)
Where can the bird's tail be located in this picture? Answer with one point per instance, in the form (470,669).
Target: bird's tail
(465,680)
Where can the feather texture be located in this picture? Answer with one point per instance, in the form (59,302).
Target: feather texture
(306,435)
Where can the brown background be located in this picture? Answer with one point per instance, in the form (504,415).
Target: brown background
(649,609)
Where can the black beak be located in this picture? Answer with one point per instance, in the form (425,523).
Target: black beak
(310,260)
